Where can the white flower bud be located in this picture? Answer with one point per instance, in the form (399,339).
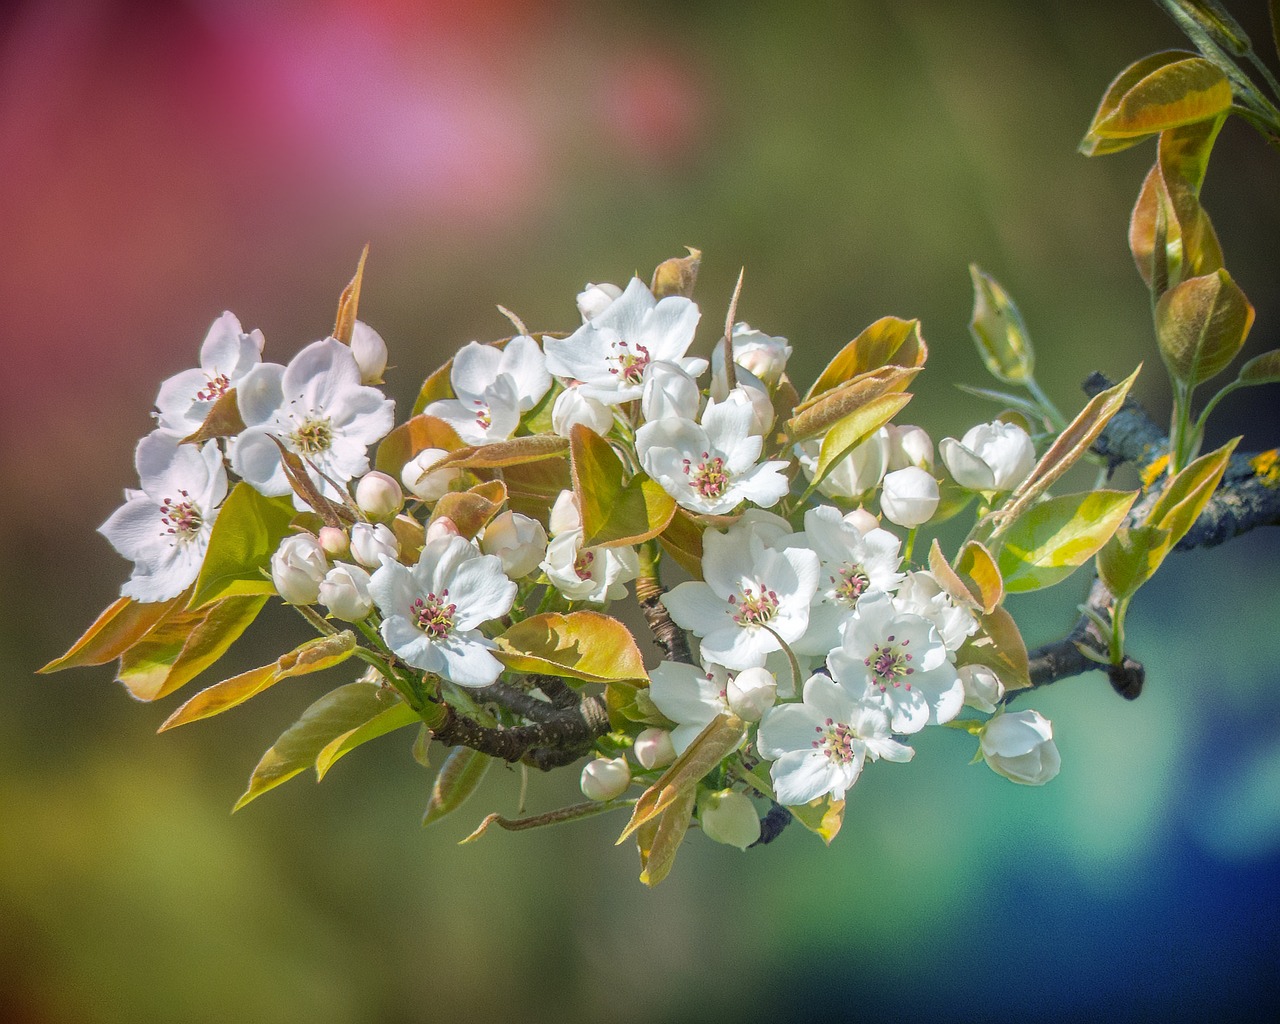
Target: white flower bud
(422,481)
(572,407)
(335,541)
(982,687)
(909,497)
(909,446)
(605,778)
(751,392)
(369,543)
(564,514)
(729,817)
(594,299)
(519,541)
(370,352)
(862,520)
(990,457)
(668,391)
(345,593)
(751,693)
(855,474)
(297,567)
(758,353)
(442,527)
(1020,747)
(654,749)
(379,496)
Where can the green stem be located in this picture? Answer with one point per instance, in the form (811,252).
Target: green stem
(911,543)
(1055,417)
(1117,630)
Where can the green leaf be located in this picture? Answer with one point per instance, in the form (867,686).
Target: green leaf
(1177,93)
(245,535)
(459,776)
(887,341)
(1185,496)
(183,645)
(471,510)
(1263,369)
(397,716)
(980,574)
(312,656)
(845,435)
(1131,557)
(532,487)
(721,737)
(434,389)
(413,436)
(1063,453)
(1094,145)
(999,646)
(117,629)
(1051,540)
(589,646)
(614,512)
(998,330)
(1201,325)
(658,847)
(818,415)
(682,540)
(334,714)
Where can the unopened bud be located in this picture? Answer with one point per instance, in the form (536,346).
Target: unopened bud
(369,543)
(345,592)
(751,693)
(425,483)
(379,496)
(910,446)
(729,817)
(862,520)
(654,749)
(335,541)
(442,527)
(297,567)
(519,541)
(370,352)
(571,407)
(909,497)
(605,778)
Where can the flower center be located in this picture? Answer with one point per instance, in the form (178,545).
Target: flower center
(313,436)
(434,615)
(851,584)
(484,419)
(218,386)
(709,479)
(836,741)
(889,664)
(631,364)
(754,609)
(182,519)
(582,564)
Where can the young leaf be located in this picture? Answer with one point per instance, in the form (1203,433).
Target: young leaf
(1177,93)
(1051,540)
(462,772)
(435,388)
(658,855)
(980,574)
(471,510)
(1131,557)
(818,415)
(589,646)
(877,346)
(117,629)
(999,331)
(1201,325)
(999,646)
(396,716)
(1095,145)
(312,656)
(682,540)
(677,276)
(223,420)
(1017,403)
(349,303)
(823,817)
(1185,496)
(411,437)
(575,812)
(614,512)
(337,712)
(532,487)
(183,645)
(1263,369)
(245,535)
(513,452)
(855,428)
(949,580)
(1170,235)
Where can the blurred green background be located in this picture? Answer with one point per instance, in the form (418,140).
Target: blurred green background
(161,162)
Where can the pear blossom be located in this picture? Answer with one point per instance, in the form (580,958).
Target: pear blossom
(751,693)
(1019,745)
(605,778)
(990,457)
(921,594)
(572,406)
(855,474)
(818,747)
(909,446)
(909,497)
(752,392)
(493,387)
(344,591)
(669,392)
(226,355)
(317,408)
(711,467)
(594,299)
(691,697)
(371,542)
(595,574)
(895,660)
(653,748)
(432,610)
(982,687)
(379,496)
(611,354)
(370,352)
(164,527)
(424,482)
(756,352)
(520,543)
(298,567)
(852,564)
(751,599)
(335,541)
(729,817)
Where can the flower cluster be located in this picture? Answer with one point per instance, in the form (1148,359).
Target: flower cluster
(547,476)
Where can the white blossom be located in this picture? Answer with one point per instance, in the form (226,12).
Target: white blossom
(691,697)
(909,497)
(371,542)
(756,352)
(921,594)
(818,747)
(982,687)
(520,543)
(594,299)
(432,611)
(711,467)
(298,567)
(855,474)
(753,393)
(1019,745)
(595,574)
(605,778)
(653,748)
(370,352)
(729,817)
(611,353)
(379,496)
(896,660)
(990,457)
(164,527)
(751,693)
(492,387)
(669,392)
(317,408)
(226,355)
(909,446)
(424,482)
(344,591)
(572,406)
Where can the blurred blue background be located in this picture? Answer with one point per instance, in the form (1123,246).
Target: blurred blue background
(161,162)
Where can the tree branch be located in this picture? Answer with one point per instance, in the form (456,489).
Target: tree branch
(560,739)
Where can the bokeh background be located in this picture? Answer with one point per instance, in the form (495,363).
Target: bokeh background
(161,162)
